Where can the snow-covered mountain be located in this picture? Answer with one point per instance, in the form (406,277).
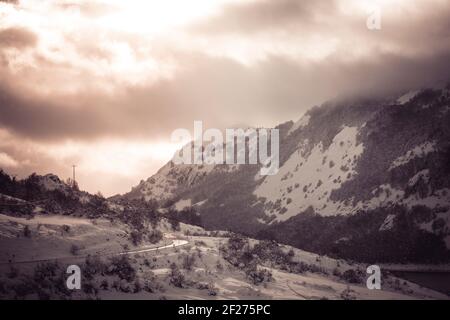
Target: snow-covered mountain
(381,164)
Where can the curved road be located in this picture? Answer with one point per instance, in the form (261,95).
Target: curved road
(175,243)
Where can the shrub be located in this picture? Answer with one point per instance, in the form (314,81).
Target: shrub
(352,276)
(258,276)
(93,265)
(212,291)
(175,224)
(24,287)
(122,267)
(337,273)
(149,284)
(74,249)
(44,271)
(147,263)
(48,281)
(104,285)
(200,243)
(347,294)
(89,288)
(137,287)
(26,232)
(237,242)
(176,278)
(136,237)
(239,253)
(188,261)
(155,236)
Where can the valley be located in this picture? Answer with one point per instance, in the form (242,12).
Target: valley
(185,264)
(360,191)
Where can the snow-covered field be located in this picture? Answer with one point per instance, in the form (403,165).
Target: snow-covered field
(51,237)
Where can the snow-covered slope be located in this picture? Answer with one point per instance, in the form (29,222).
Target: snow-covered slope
(307,178)
(339,159)
(171,179)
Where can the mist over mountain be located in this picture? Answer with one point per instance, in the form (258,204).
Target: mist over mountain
(318,167)
(361,181)
(366,179)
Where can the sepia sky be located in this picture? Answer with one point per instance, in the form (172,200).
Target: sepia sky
(102,84)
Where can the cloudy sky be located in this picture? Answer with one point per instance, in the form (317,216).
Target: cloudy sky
(102,84)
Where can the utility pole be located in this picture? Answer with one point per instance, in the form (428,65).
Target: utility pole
(73,181)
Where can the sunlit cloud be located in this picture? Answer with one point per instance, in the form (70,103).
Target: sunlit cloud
(7,161)
(111,166)
(110,156)
(102,84)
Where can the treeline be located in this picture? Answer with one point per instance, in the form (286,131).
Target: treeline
(64,201)
(188,215)
(359,237)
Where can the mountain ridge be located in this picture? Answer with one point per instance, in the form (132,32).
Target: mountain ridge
(339,159)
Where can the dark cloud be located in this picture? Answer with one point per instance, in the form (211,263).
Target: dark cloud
(415,26)
(261,16)
(17,38)
(222,91)
(219,91)
(87,85)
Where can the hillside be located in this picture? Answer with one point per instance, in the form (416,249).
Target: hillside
(187,263)
(132,249)
(352,174)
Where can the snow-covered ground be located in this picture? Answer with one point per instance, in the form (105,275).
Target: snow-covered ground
(416,152)
(307,179)
(48,240)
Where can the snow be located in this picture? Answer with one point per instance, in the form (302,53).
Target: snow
(424,174)
(306,179)
(318,172)
(9,198)
(262,221)
(182,204)
(175,243)
(439,198)
(200,203)
(302,122)
(387,195)
(164,184)
(417,152)
(46,219)
(407,97)
(230,282)
(388,223)
(51,182)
